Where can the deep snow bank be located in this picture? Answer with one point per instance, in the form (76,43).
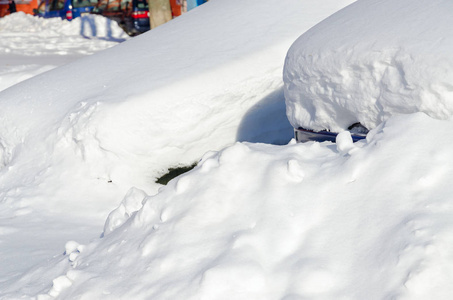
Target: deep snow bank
(31,45)
(302,221)
(56,36)
(372,60)
(74,140)
(166,97)
(88,26)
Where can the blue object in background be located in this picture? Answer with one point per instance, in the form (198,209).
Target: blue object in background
(191,4)
(65,9)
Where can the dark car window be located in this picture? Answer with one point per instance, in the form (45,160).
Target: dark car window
(56,4)
(141,4)
(83,3)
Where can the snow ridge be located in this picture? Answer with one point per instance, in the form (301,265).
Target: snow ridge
(270,233)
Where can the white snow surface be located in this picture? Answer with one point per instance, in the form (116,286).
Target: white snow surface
(370,61)
(30,45)
(258,217)
(75,139)
(302,221)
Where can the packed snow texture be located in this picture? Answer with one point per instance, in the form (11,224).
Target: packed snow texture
(372,60)
(302,221)
(31,45)
(122,117)
(76,139)
(365,220)
(84,35)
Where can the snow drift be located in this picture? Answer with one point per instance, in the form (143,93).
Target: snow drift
(251,222)
(124,116)
(31,45)
(85,35)
(372,60)
(365,220)
(74,140)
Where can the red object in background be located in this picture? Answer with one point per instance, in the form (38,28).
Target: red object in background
(175,7)
(25,6)
(140,14)
(4,8)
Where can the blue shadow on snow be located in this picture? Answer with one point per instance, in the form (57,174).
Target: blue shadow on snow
(88,22)
(266,122)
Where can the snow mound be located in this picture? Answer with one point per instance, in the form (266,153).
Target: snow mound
(74,140)
(126,115)
(89,26)
(372,60)
(56,36)
(251,222)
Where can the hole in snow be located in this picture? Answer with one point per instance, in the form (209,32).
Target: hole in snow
(174,172)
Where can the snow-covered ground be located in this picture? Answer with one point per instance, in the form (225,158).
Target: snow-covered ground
(258,218)
(75,140)
(30,45)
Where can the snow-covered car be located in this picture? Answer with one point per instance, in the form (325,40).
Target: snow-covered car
(302,135)
(345,70)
